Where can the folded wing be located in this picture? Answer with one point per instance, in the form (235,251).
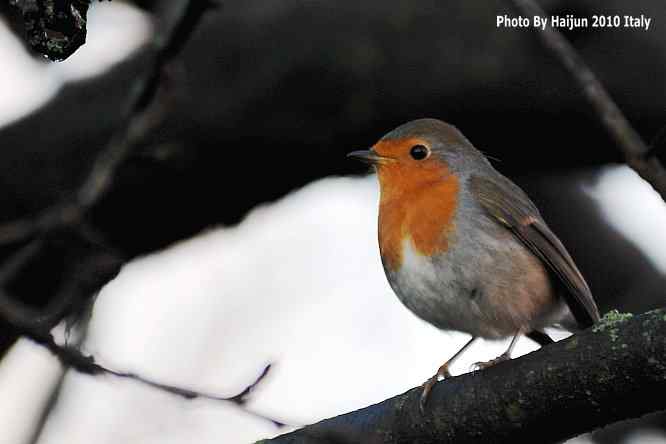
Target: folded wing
(510,206)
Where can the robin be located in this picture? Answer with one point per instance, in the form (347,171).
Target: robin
(464,248)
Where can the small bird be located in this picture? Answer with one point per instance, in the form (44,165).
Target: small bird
(464,248)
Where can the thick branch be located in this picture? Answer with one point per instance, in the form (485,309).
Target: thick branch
(636,152)
(614,371)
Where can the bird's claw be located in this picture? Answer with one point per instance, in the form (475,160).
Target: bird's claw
(442,373)
(484,365)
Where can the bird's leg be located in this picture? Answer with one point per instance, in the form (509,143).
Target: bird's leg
(503,357)
(442,372)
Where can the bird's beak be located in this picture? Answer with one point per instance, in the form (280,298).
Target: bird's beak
(367,156)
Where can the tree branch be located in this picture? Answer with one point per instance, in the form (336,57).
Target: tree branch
(145,109)
(72,358)
(144,112)
(637,153)
(613,371)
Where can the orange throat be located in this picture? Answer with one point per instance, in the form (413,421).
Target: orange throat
(418,205)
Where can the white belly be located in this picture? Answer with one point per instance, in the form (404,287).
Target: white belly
(432,291)
(475,290)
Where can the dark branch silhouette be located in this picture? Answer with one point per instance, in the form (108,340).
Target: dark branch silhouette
(637,153)
(72,358)
(615,370)
(145,111)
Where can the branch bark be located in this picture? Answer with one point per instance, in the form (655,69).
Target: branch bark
(613,371)
(637,153)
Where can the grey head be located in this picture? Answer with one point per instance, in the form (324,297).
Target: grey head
(445,141)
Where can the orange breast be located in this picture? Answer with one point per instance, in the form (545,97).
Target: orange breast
(417,204)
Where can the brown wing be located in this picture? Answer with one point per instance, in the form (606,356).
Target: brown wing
(510,206)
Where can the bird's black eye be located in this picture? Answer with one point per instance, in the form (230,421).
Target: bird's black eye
(419,152)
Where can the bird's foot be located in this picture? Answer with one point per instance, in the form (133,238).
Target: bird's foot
(484,365)
(442,373)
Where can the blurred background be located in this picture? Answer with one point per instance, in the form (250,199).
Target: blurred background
(237,235)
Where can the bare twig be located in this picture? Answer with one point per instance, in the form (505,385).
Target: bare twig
(613,371)
(240,399)
(72,358)
(636,152)
(145,110)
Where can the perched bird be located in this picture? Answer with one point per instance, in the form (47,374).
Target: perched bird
(464,248)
